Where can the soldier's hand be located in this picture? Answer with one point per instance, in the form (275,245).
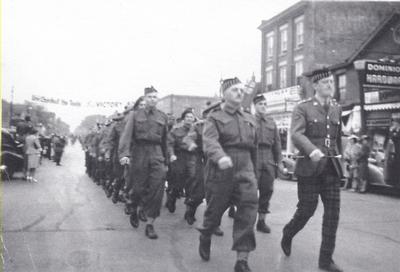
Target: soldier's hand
(316,155)
(172,158)
(192,147)
(282,168)
(225,163)
(124,161)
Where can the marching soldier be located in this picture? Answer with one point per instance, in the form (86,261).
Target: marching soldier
(194,143)
(116,177)
(316,133)
(146,132)
(269,159)
(230,145)
(180,162)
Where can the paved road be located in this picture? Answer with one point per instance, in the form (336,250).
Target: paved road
(65,223)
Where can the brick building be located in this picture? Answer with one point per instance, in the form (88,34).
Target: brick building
(360,43)
(314,34)
(176,104)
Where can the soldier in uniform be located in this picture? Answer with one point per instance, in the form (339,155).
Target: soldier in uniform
(180,162)
(230,145)
(116,177)
(194,143)
(269,159)
(316,133)
(146,132)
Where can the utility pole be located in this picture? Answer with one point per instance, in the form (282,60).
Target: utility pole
(11,105)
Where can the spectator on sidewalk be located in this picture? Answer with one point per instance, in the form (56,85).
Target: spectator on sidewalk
(363,164)
(351,155)
(32,152)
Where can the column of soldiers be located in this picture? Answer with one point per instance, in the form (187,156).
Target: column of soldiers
(230,158)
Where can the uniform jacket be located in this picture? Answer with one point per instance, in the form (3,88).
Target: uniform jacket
(144,125)
(229,128)
(269,144)
(195,136)
(175,139)
(313,128)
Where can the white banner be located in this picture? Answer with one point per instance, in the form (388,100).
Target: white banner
(69,102)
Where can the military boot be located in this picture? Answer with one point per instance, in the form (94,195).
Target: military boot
(189,214)
(171,202)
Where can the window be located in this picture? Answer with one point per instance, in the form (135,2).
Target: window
(270,45)
(282,75)
(298,66)
(342,86)
(268,77)
(283,34)
(299,30)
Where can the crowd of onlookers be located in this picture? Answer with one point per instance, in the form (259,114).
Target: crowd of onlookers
(356,156)
(36,145)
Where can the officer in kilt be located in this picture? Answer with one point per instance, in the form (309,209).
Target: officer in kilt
(316,133)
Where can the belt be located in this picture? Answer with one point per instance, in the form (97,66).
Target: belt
(263,145)
(147,142)
(236,147)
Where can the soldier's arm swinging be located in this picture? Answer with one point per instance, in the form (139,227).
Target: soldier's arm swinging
(126,137)
(298,129)
(211,146)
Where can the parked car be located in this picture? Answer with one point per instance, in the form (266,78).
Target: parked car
(12,155)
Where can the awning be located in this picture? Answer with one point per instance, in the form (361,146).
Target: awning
(386,106)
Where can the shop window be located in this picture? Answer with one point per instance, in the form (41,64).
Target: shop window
(341,79)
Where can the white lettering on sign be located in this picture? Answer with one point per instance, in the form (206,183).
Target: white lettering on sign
(383,68)
(383,79)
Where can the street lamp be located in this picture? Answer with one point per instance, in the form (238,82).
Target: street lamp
(359,65)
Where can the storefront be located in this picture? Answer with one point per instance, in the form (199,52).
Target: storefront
(280,105)
(381,90)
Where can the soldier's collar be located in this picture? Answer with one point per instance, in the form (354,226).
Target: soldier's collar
(316,101)
(231,109)
(262,116)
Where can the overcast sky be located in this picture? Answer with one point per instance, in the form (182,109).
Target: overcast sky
(109,50)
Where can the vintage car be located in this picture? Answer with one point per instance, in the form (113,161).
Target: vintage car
(12,156)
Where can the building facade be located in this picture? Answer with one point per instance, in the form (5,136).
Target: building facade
(360,43)
(175,104)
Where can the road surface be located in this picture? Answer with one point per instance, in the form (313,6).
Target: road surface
(65,223)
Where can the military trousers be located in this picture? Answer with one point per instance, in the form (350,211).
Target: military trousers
(194,187)
(238,186)
(326,186)
(265,188)
(147,174)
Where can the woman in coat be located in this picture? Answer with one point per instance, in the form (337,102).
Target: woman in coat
(32,152)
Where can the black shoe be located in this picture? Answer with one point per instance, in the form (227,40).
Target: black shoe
(205,247)
(134,219)
(232,212)
(127,210)
(115,197)
(286,244)
(171,203)
(109,193)
(142,216)
(330,266)
(218,232)
(189,215)
(262,227)
(242,266)
(150,232)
